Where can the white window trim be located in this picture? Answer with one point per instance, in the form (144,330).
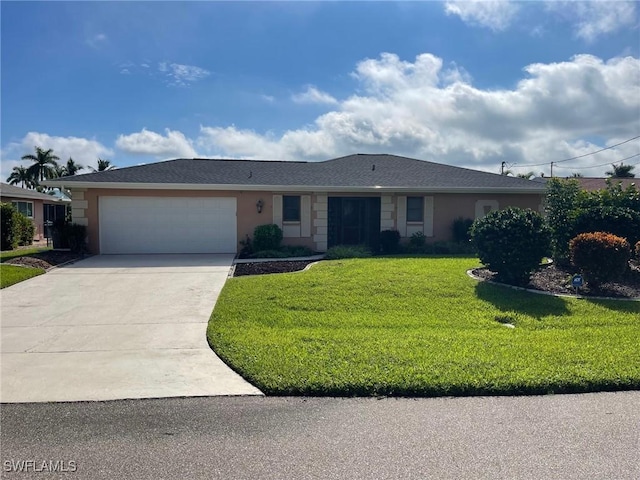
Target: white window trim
(15,202)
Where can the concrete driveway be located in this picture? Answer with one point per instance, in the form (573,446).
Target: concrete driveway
(114,327)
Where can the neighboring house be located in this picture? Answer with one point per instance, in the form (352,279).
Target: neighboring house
(39,207)
(208,206)
(591,184)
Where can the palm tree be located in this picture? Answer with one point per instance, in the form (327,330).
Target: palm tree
(528,175)
(44,166)
(20,175)
(71,168)
(621,171)
(103,165)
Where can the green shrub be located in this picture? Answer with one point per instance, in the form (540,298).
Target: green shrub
(389,241)
(247,248)
(76,237)
(9,228)
(619,221)
(511,242)
(348,251)
(267,237)
(637,251)
(25,230)
(453,248)
(600,256)
(417,240)
(461,229)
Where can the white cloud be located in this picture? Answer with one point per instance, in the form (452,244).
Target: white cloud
(268,98)
(146,142)
(493,14)
(182,75)
(597,17)
(313,95)
(84,151)
(423,110)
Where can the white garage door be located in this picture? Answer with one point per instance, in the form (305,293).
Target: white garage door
(167,225)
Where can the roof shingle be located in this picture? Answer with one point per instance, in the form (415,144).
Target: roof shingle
(359,170)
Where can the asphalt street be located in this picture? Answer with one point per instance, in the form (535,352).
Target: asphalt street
(595,436)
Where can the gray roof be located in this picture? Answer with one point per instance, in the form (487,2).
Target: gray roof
(360,171)
(11,191)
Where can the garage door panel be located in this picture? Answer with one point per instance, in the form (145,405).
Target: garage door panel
(167,224)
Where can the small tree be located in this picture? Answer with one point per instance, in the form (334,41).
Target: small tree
(561,208)
(511,242)
(601,256)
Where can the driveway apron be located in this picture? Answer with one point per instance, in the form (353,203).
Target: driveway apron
(115,327)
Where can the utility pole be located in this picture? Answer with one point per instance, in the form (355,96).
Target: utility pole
(552,169)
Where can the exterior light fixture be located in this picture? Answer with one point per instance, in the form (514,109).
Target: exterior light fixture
(259,205)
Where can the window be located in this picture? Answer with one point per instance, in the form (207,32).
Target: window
(291,208)
(415,209)
(25,208)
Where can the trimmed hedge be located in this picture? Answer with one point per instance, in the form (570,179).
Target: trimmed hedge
(266,237)
(620,221)
(600,256)
(511,242)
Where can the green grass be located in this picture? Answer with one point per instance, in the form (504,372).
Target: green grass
(419,326)
(22,252)
(12,274)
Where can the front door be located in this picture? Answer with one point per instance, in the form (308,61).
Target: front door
(354,221)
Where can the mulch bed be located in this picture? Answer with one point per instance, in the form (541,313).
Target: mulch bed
(262,268)
(557,280)
(46,260)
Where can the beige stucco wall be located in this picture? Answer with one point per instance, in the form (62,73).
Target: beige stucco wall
(446,208)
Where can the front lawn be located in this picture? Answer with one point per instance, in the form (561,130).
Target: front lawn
(21,252)
(419,326)
(12,274)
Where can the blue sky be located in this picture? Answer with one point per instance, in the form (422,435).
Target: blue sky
(471,84)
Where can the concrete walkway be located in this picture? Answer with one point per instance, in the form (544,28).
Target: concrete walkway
(114,327)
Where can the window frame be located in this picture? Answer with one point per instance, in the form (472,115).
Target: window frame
(414,209)
(287,210)
(27,203)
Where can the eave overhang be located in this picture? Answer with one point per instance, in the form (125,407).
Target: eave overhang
(292,188)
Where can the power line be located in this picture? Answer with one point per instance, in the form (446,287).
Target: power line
(579,156)
(609,163)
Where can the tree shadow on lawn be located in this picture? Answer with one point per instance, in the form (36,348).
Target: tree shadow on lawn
(510,300)
(621,305)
